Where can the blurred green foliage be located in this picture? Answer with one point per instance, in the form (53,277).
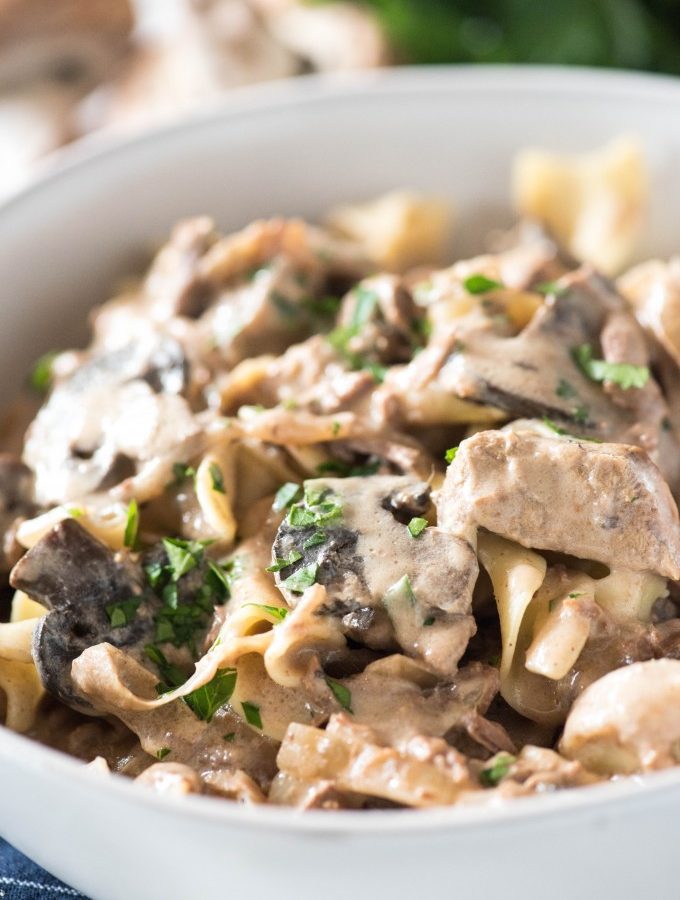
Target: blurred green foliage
(635,34)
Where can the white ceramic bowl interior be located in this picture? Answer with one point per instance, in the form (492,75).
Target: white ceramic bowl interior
(298,149)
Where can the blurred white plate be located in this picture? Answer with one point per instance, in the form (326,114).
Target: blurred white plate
(299,148)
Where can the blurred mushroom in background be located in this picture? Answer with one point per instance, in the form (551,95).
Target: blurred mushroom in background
(52,52)
(69,67)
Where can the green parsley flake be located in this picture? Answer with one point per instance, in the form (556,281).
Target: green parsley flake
(251,711)
(399,593)
(183,556)
(319,537)
(580,415)
(480,284)
(287,494)
(121,614)
(416,526)
(131,525)
(217,478)
(428,622)
(493,774)
(162,752)
(277,612)
(217,578)
(76,512)
(451,454)
(206,700)
(346,470)
(575,594)
(41,376)
(625,375)
(342,694)
(549,287)
(366,304)
(293,557)
(172,675)
(553,426)
(229,737)
(336,427)
(304,578)
(181,471)
(316,508)
(565,389)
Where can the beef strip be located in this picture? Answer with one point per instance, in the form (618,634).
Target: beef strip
(603,502)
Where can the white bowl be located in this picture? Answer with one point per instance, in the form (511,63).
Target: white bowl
(299,148)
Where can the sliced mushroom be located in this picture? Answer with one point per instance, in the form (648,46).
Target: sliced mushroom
(628,721)
(81,582)
(63,40)
(383,583)
(16,502)
(603,502)
(115,412)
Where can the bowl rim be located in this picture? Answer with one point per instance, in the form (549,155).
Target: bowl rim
(308,91)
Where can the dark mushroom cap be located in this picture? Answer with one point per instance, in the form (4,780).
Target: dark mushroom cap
(79,580)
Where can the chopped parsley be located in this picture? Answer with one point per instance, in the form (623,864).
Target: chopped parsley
(625,375)
(575,594)
(293,557)
(206,700)
(450,454)
(342,694)
(416,526)
(480,284)
(76,512)
(553,426)
(399,592)
(366,304)
(278,612)
(580,415)
(121,614)
(183,556)
(666,424)
(287,494)
(251,711)
(549,287)
(229,737)
(565,389)
(322,306)
(180,618)
(162,752)
(304,578)
(340,339)
(500,766)
(41,377)
(171,674)
(217,478)
(336,427)
(318,537)
(182,471)
(317,507)
(131,525)
(346,470)
(428,622)
(217,578)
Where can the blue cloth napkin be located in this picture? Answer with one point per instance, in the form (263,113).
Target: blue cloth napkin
(21,879)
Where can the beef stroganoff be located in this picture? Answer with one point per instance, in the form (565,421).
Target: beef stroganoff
(313,521)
